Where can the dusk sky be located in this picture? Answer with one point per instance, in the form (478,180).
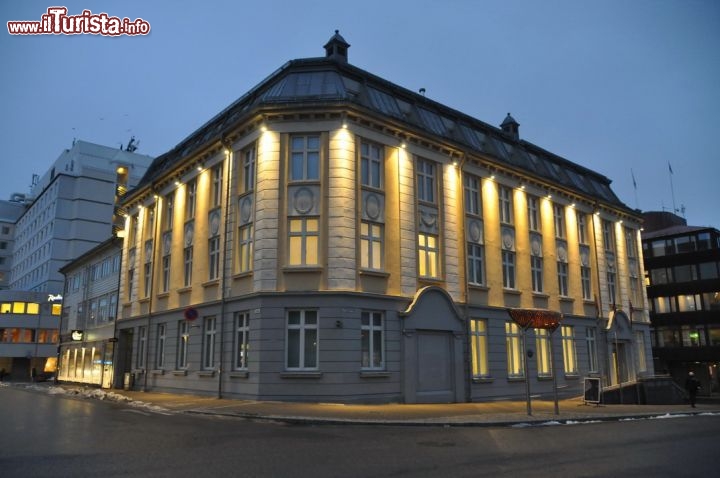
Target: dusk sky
(615,85)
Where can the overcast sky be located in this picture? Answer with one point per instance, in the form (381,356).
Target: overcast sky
(612,85)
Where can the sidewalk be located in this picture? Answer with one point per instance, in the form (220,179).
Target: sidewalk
(501,413)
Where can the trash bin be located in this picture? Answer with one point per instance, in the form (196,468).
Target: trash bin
(128,381)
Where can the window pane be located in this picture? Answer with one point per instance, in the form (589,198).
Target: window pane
(310,348)
(311,317)
(293,345)
(294,317)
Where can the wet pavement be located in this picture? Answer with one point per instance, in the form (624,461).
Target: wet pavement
(456,414)
(497,413)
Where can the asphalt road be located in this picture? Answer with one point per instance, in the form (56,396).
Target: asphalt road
(55,436)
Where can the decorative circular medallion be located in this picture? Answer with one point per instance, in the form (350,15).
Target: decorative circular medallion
(303,200)
(508,240)
(245,209)
(166,243)
(585,258)
(475,231)
(428,219)
(189,234)
(215,223)
(562,253)
(536,247)
(372,206)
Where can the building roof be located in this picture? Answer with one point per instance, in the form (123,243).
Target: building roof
(332,82)
(673,231)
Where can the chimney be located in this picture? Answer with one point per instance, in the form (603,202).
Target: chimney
(337,48)
(511,127)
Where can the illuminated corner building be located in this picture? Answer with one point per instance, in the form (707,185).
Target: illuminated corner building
(87,326)
(28,334)
(682,265)
(333,236)
(70,209)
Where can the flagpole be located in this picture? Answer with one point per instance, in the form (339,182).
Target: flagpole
(672,188)
(637,204)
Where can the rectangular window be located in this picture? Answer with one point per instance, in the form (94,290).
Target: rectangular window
(169,210)
(130,284)
(559,219)
(612,290)
(183,341)
(608,236)
(429,256)
(630,243)
(188,266)
(426,180)
(190,199)
(569,354)
(160,349)
(562,271)
(476,266)
(533,213)
(542,344)
(166,273)
(216,180)
(582,228)
(371,246)
(371,165)
(305,158)
(585,282)
(142,343)
(514,350)
(591,344)
(536,272)
(149,221)
(508,266)
(112,308)
(304,241)
(102,309)
(372,340)
(302,340)
(248,170)
(214,258)
(147,273)
(473,205)
(208,346)
(506,206)
(245,248)
(479,346)
(242,340)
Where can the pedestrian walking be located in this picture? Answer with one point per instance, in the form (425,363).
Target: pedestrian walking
(692,385)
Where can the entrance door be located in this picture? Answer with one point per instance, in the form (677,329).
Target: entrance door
(435,367)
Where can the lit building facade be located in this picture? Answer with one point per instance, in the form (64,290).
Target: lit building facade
(87,327)
(333,236)
(682,266)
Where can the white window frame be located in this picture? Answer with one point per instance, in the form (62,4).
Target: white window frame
(307,154)
(183,343)
(536,273)
(216,182)
(543,352)
(214,258)
(142,344)
(591,345)
(514,350)
(476,263)
(372,246)
(559,220)
(371,160)
(533,213)
(304,327)
(479,348)
(187,266)
(505,204)
(426,180)
(190,199)
(209,342)
(169,210)
(563,278)
(567,334)
(166,272)
(370,333)
(428,255)
(160,348)
(242,340)
(508,267)
(248,156)
(305,235)
(586,282)
(245,248)
(582,227)
(473,201)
